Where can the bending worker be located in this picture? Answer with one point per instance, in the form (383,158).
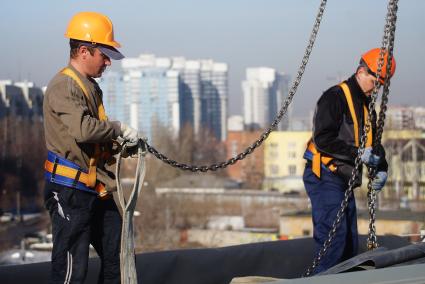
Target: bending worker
(340,115)
(80,153)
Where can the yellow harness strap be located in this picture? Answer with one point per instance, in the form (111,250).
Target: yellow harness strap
(91,178)
(319,159)
(349,99)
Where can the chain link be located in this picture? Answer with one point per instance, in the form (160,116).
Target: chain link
(271,128)
(372,241)
(390,22)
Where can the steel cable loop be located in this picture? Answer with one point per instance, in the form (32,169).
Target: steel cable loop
(127,251)
(273,126)
(389,26)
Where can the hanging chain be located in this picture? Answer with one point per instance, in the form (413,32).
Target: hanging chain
(272,127)
(390,20)
(372,241)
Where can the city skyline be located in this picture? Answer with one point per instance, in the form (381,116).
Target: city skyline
(241,33)
(168,92)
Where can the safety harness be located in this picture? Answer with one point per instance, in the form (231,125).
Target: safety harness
(320,161)
(62,171)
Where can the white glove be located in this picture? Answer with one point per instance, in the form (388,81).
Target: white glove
(129,134)
(379,181)
(369,158)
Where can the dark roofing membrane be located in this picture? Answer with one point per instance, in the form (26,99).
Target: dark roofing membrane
(278,259)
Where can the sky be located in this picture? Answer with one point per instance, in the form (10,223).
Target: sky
(241,33)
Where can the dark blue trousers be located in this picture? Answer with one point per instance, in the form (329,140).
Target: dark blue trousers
(79,219)
(326,195)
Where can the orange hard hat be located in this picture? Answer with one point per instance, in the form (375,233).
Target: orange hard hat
(371,59)
(92,27)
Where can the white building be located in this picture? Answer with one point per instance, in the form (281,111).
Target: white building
(235,123)
(419,117)
(405,117)
(264,91)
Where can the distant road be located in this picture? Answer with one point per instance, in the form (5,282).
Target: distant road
(11,233)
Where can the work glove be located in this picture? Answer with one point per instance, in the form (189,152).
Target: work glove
(129,134)
(379,181)
(369,158)
(130,149)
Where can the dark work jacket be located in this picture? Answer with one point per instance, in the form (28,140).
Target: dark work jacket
(333,131)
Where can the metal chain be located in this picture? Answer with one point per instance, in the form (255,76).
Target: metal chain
(372,241)
(271,128)
(357,162)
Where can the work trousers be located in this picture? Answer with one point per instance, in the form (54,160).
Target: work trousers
(326,194)
(79,219)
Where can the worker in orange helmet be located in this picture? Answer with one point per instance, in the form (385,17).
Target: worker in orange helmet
(340,115)
(79,136)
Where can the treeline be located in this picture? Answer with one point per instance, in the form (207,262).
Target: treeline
(200,149)
(22,153)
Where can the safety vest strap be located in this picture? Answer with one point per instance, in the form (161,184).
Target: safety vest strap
(318,161)
(349,98)
(91,179)
(64,172)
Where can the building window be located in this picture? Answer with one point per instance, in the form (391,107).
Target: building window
(274,155)
(292,145)
(292,155)
(274,169)
(292,169)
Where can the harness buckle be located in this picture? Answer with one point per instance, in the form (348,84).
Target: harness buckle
(55,165)
(76,179)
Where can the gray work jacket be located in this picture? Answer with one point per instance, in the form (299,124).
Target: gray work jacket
(71,130)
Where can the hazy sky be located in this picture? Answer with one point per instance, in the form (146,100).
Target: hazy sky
(242,33)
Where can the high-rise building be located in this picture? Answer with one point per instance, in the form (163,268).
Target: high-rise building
(264,92)
(204,92)
(115,101)
(214,90)
(152,88)
(190,92)
(169,92)
(21,119)
(20,99)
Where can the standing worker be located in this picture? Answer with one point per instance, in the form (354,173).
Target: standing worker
(338,122)
(79,142)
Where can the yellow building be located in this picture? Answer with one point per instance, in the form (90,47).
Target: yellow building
(405,153)
(284,163)
(283,160)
